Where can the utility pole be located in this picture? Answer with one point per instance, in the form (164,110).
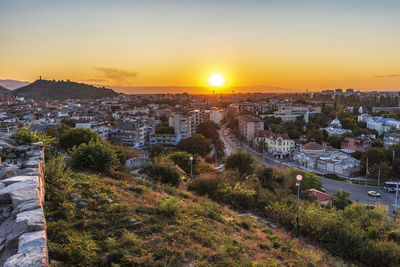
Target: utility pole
(379,176)
(397,194)
(393,155)
(366,173)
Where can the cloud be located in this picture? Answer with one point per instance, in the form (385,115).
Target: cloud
(386,76)
(115,74)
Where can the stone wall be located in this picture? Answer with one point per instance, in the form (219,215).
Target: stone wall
(22,220)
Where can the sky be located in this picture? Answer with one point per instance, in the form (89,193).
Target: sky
(314,44)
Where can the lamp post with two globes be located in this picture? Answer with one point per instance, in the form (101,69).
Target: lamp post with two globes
(298,180)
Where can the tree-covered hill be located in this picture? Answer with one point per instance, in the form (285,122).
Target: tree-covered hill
(59,90)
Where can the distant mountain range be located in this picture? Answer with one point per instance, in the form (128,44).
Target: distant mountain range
(60,90)
(12,84)
(202,90)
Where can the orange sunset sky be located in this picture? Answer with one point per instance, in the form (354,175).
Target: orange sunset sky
(289,44)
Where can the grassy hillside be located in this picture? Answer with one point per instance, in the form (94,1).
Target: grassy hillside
(125,222)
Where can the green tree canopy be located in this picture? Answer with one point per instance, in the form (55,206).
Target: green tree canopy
(341,199)
(195,144)
(164,129)
(241,161)
(77,136)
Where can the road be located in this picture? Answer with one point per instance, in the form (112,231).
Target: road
(357,192)
(360,192)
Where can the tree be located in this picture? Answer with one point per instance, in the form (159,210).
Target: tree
(165,172)
(309,180)
(375,155)
(164,129)
(348,123)
(262,146)
(341,199)
(335,140)
(209,129)
(268,178)
(315,135)
(96,155)
(77,136)
(196,144)
(182,159)
(241,161)
(293,134)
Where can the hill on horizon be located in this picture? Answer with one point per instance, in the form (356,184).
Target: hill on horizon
(60,90)
(4,90)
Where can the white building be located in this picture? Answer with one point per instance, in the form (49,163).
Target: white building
(335,127)
(382,125)
(326,159)
(216,115)
(279,145)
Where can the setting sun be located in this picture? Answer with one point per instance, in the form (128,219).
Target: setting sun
(216,80)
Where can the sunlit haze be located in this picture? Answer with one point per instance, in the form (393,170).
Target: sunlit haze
(290,45)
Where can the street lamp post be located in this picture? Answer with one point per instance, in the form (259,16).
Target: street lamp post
(298,178)
(191,167)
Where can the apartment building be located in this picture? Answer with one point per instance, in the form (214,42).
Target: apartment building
(249,125)
(391,138)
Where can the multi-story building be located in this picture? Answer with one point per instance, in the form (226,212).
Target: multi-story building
(382,125)
(165,139)
(186,124)
(288,112)
(216,115)
(279,145)
(249,125)
(361,143)
(391,138)
(181,124)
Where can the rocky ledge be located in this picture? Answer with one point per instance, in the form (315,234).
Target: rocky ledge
(22,220)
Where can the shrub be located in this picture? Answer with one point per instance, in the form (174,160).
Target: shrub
(169,207)
(166,173)
(77,136)
(26,136)
(241,161)
(341,199)
(239,196)
(96,155)
(205,184)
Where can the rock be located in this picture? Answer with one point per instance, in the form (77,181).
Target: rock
(31,240)
(28,170)
(21,149)
(83,203)
(37,145)
(75,197)
(31,163)
(34,153)
(27,205)
(8,170)
(20,196)
(17,179)
(6,145)
(9,140)
(95,196)
(36,256)
(5,211)
(26,221)
(5,191)
(109,200)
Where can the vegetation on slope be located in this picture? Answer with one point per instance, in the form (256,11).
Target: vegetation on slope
(60,90)
(130,223)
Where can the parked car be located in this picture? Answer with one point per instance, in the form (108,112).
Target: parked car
(374,194)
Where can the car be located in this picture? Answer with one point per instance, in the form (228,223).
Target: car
(374,194)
